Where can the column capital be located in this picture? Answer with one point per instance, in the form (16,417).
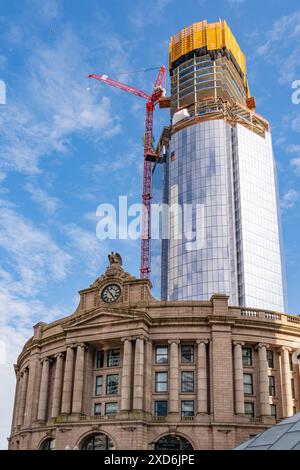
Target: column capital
(59,355)
(176,341)
(82,345)
(126,338)
(262,345)
(202,341)
(138,337)
(46,359)
(238,343)
(285,348)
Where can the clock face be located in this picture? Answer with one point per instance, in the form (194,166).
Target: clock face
(111,293)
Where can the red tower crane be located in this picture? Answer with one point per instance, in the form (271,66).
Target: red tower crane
(149,156)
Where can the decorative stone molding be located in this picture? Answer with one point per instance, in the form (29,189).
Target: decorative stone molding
(240,343)
(177,341)
(202,341)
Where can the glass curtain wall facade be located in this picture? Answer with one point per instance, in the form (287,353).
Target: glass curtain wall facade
(224,236)
(200,181)
(228,172)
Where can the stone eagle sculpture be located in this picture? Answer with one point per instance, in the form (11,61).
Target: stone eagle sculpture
(114,258)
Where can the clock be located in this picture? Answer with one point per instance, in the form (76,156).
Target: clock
(111,293)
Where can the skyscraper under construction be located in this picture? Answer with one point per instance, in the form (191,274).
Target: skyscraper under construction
(217,156)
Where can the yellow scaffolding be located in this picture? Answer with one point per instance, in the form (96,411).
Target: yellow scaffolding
(211,35)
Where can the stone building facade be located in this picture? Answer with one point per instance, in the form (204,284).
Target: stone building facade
(126,371)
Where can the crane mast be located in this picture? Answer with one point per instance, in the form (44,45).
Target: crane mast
(149,157)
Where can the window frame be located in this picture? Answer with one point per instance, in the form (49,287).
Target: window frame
(162,382)
(108,384)
(252,406)
(249,384)
(246,358)
(272,407)
(109,358)
(97,386)
(100,406)
(156,402)
(100,359)
(270,361)
(182,382)
(182,360)
(272,386)
(182,413)
(109,403)
(161,355)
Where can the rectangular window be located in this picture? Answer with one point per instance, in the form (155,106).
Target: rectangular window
(273,411)
(99,385)
(272,391)
(249,409)
(113,358)
(247,357)
(248,384)
(270,358)
(161,381)
(161,354)
(187,354)
(293,388)
(187,381)
(97,409)
(291,362)
(111,408)
(100,359)
(112,384)
(161,408)
(187,408)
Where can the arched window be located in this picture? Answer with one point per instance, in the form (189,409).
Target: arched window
(98,442)
(172,442)
(48,444)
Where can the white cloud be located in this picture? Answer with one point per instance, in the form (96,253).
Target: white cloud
(235,3)
(289,199)
(31,254)
(281,46)
(16,319)
(293,148)
(295,162)
(30,259)
(155,13)
(40,196)
(56,106)
(48,9)
(90,252)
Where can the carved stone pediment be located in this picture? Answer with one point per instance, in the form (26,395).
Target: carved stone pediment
(101,317)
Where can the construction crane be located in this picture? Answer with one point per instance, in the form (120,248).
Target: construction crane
(149,156)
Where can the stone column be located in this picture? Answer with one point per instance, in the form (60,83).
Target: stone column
(16,399)
(126,384)
(174,376)
(68,382)
(23,388)
(44,387)
(286,383)
(78,379)
(57,387)
(265,409)
(148,377)
(138,382)
(238,378)
(201,376)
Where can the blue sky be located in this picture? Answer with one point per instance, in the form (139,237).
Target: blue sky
(65,149)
